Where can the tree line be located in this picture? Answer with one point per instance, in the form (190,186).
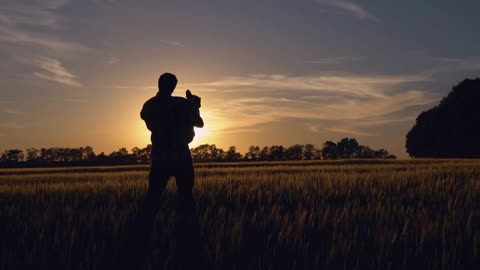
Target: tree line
(347,148)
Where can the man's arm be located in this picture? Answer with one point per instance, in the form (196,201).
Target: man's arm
(145,114)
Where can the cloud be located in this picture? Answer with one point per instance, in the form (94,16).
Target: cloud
(239,130)
(34,25)
(314,128)
(348,7)
(53,70)
(20,37)
(28,16)
(347,103)
(349,131)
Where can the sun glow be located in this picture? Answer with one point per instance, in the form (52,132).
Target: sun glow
(207,134)
(201,136)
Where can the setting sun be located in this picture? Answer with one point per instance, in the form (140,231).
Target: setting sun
(201,136)
(206,135)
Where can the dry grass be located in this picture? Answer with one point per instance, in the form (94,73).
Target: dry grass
(287,215)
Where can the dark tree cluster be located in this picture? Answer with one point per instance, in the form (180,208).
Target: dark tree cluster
(82,156)
(347,148)
(450,129)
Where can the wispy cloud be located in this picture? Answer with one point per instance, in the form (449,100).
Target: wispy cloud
(346,103)
(349,131)
(348,7)
(32,14)
(363,127)
(25,15)
(31,28)
(53,70)
(20,25)
(24,38)
(314,128)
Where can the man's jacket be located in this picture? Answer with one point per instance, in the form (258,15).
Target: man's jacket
(171,121)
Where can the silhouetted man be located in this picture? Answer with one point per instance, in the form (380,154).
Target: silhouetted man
(171,120)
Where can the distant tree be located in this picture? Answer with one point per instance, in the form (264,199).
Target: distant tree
(136,153)
(309,152)
(122,152)
(330,150)
(142,155)
(382,153)
(201,152)
(73,154)
(347,147)
(207,152)
(253,153)
(121,157)
(232,154)
(88,153)
(364,152)
(450,129)
(263,154)
(102,159)
(276,153)
(217,154)
(33,154)
(294,152)
(46,154)
(12,156)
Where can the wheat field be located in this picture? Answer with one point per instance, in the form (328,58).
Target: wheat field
(404,214)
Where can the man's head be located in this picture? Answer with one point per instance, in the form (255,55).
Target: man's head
(167,83)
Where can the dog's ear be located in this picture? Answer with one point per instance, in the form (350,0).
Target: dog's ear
(189,94)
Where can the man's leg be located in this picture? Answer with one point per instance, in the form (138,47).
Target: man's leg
(184,178)
(158,180)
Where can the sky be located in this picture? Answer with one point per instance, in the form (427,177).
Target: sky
(76,73)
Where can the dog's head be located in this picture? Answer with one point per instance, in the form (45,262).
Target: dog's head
(194,100)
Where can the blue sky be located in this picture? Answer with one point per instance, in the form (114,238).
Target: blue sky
(76,73)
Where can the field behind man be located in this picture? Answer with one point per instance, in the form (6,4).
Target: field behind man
(363,214)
